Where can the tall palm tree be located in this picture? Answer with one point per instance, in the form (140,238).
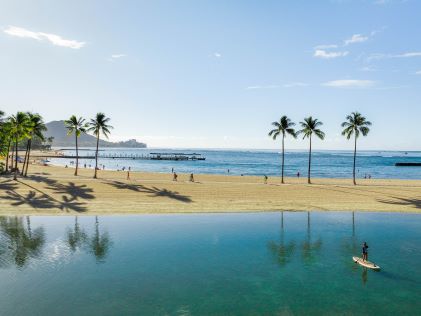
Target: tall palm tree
(283,127)
(355,124)
(76,126)
(309,127)
(19,130)
(99,125)
(36,127)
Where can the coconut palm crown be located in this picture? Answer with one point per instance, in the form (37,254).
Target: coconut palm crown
(76,126)
(356,125)
(284,127)
(309,127)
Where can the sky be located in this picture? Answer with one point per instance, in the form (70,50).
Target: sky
(215,74)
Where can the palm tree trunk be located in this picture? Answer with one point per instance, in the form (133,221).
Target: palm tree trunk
(309,164)
(15,177)
(12,158)
(29,155)
(8,153)
(355,159)
(96,156)
(283,158)
(24,160)
(77,155)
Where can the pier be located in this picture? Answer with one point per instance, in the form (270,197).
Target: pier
(151,156)
(408,164)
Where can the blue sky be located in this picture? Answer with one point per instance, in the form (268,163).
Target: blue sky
(217,73)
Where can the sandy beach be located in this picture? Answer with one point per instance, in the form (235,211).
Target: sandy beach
(55,190)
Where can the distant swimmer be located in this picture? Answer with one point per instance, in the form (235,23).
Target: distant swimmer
(365,251)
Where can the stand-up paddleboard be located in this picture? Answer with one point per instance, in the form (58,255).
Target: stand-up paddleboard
(367,264)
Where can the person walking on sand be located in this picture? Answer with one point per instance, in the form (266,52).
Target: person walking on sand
(128,173)
(175,176)
(191,177)
(365,251)
(265,179)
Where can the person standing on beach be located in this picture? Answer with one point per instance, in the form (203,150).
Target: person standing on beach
(298,174)
(175,176)
(128,173)
(265,179)
(191,177)
(365,251)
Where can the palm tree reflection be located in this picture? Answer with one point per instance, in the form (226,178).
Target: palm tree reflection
(77,237)
(18,242)
(99,243)
(310,248)
(282,251)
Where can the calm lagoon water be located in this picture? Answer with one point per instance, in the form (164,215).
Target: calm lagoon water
(325,164)
(210,264)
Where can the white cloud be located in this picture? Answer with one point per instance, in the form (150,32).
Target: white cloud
(406,55)
(40,36)
(115,56)
(349,83)
(271,86)
(328,46)
(217,55)
(356,38)
(368,68)
(320,53)
(418,72)
(295,84)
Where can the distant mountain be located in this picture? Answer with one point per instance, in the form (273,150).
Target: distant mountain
(57,130)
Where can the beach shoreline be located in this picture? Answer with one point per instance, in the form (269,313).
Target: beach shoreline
(54,190)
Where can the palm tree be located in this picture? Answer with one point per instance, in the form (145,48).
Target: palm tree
(283,127)
(309,127)
(354,125)
(36,127)
(19,130)
(77,126)
(99,125)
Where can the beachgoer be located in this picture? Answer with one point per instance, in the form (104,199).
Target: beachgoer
(85,165)
(191,177)
(66,166)
(369,176)
(228,171)
(174,177)
(365,251)
(128,174)
(298,174)
(265,179)
(172,170)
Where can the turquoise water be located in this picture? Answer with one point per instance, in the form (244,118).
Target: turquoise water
(327,164)
(211,264)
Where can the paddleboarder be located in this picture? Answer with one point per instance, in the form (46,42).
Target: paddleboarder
(365,251)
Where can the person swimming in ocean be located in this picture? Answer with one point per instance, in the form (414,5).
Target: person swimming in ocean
(365,251)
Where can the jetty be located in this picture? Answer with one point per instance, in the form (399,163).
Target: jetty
(408,164)
(151,156)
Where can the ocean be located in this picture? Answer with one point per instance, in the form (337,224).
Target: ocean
(325,164)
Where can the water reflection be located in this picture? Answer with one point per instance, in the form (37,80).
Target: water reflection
(309,247)
(76,237)
(99,243)
(18,242)
(281,250)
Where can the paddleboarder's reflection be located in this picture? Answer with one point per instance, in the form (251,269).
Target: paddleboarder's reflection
(364,276)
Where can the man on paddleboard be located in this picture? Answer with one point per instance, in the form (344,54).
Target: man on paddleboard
(365,251)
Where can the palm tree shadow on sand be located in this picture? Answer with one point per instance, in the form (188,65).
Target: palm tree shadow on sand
(412,202)
(152,191)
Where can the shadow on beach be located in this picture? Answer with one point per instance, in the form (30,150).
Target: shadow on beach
(152,191)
